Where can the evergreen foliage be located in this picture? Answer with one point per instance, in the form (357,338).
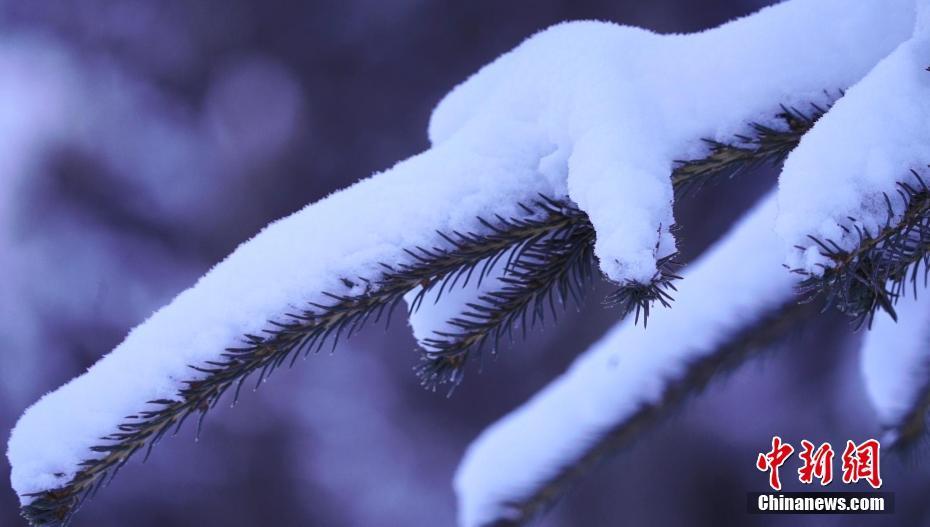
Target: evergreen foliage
(550,261)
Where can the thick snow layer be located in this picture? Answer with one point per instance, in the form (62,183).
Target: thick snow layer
(896,359)
(289,263)
(592,111)
(619,124)
(620,104)
(870,140)
(739,280)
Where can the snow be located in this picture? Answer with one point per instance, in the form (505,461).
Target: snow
(441,305)
(591,111)
(620,104)
(618,128)
(896,360)
(867,143)
(626,370)
(289,263)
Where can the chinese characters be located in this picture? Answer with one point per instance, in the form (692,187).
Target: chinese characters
(860,462)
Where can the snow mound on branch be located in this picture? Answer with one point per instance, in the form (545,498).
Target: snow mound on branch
(856,154)
(590,111)
(896,360)
(626,370)
(621,104)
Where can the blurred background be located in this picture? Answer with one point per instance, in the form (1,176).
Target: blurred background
(141,141)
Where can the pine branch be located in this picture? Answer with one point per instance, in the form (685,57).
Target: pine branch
(879,269)
(639,298)
(763,333)
(545,273)
(764,145)
(283,342)
(546,277)
(469,256)
(557,268)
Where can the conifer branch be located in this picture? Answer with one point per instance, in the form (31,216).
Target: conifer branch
(544,275)
(639,298)
(879,269)
(554,267)
(285,341)
(764,145)
(697,375)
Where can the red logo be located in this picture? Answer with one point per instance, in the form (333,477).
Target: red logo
(817,464)
(860,462)
(773,460)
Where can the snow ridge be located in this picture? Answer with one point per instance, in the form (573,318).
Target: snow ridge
(896,362)
(627,369)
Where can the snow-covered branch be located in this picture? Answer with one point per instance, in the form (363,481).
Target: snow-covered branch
(585,120)
(896,368)
(765,144)
(555,269)
(440,272)
(336,245)
(855,206)
(632,377)
(513,293)
(883,263)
